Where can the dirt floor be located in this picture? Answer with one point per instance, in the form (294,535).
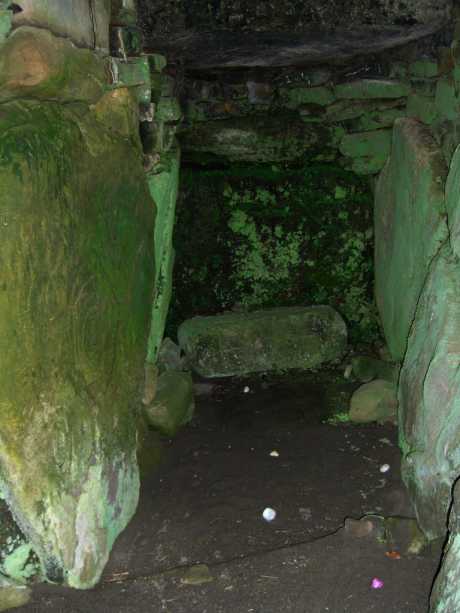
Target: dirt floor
(204,507)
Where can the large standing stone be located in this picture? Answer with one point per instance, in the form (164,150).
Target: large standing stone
(429,396)
(274,339)
(445,597)
(410,227)
(453,202)
(164,188)
(76,280)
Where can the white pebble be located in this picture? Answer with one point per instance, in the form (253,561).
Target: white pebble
(246,390)
(384,468)
(269,514)
(274,454)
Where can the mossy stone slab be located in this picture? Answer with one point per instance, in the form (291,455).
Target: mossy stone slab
(296,96)
(164,188)
(422,108)
(429,396)
(446,99)
(266,138)
(372,88)
(410,227)
(76,280)
(373,143)
(424,68)
(270,340)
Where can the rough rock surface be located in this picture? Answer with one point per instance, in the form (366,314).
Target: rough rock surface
(36,63)
(429,396)
(445,597)
(410,227)
(273,339)
(173,403)
(164,18)
(76,284)
(453,202)
(164,188)
(374,401)
(86,24)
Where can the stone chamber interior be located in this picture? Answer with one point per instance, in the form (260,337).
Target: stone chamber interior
(230,305)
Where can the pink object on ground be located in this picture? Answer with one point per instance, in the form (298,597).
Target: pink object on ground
(376,584)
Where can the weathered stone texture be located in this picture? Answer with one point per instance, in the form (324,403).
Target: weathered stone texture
(36,63)
(76,282)
(429,396)
(453,202)
(164,188)
(85,25)
(374,401)
(173,404)
(410,227)
(163,17)
(445,597)
(274,339)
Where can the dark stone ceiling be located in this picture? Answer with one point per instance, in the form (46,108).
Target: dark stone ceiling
(212,35)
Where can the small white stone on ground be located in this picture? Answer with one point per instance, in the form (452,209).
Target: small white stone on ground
(269,514)
(384,468)
(274,454)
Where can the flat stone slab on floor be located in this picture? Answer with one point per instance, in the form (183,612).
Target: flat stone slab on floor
(270,340)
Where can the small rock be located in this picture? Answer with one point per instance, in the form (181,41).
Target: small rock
(269,514)
(169,356)
(366,526)
(197,575)
(374,401)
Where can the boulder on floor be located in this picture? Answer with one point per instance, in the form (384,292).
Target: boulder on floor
(410,227)
(429,396)
(374,401)
(445,597)
(77,225)
(173,403)
(270,340)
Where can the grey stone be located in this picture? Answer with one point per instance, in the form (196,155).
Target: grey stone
(374,401)
(75,20)
(445,597)
(410,227)
(269,340)
(429,396)
(173,404)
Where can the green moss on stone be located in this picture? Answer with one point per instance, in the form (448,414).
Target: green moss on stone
(297,96)
(447,102)
(424,68)
(371,88)
(274,235)
(77,274)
